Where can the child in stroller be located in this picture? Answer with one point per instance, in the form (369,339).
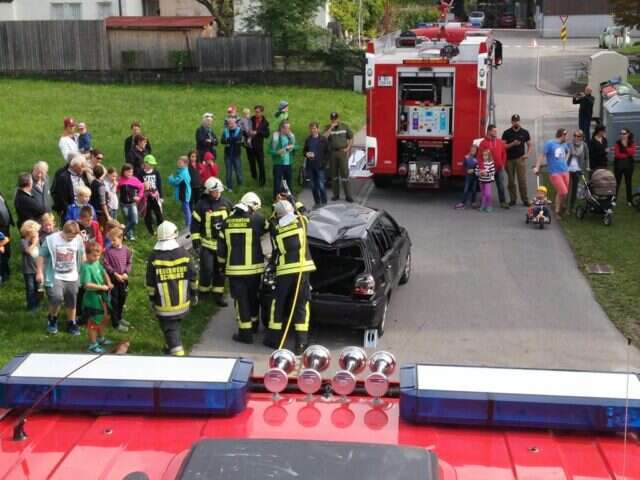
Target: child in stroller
(599,196)
(538,213)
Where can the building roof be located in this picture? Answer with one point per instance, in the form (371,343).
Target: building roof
(154,23)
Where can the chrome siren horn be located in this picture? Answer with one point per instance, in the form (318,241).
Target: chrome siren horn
(315,359)
(352,361)
(382,364)
(281,364)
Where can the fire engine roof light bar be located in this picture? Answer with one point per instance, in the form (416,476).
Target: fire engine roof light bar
(127,384)
(508,397)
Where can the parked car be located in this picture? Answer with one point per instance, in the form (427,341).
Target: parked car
(614,37)
(507,20)
(477,19)
(361,256)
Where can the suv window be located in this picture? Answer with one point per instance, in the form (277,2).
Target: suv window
(390,228)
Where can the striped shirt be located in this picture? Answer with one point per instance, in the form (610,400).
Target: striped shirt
(486,171)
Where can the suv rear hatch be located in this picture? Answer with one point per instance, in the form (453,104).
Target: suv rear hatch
(337,267)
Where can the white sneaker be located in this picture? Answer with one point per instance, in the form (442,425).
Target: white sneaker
(122,328)
(125,323)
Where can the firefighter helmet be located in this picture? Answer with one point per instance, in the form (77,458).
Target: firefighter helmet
(213,185)
(251,200)
(283,208)
(167,231)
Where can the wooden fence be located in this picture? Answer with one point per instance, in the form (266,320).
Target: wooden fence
(40,46)
(241,53)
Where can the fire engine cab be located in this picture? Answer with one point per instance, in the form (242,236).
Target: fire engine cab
(429,96)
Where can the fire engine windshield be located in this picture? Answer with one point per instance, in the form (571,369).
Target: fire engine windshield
(305,460)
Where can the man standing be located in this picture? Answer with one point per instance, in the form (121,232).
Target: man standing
(27,206)
(136,130)
(68,142)
(232,141)
(293,268)
(172,285)
(585,112)
(207,221)
(340,139)
(240,251)
(255,151)
(492,143)
(206,139)
(6,222)
(316,152)
(518,144)
(283,144)
(66,181)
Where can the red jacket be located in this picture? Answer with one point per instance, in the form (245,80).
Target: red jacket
(95,235)
(497,149)
(208,170)
(630,152)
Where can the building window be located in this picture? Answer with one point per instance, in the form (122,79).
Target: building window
(104,9)
(151,8)
(66,11)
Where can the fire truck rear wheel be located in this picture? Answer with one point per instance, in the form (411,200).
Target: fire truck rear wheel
(382,181)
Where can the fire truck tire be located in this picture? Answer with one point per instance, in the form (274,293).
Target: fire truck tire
(382,181)
(406,274)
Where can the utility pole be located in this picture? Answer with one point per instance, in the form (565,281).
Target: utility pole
(359,22)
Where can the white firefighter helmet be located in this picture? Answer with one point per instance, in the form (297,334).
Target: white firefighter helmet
(251,200)
(213,185)
(167,231)
(283,208)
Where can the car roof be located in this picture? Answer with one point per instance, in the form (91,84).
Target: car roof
(340,222)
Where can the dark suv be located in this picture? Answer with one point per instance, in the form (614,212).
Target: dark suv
(361,255)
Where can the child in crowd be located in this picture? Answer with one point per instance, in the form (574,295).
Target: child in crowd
(111,187)
(539,209)
(117,263)
(131,191)
(58,267)
(282,113)
(152,203)
(89,228)
(470,180)
(197,185)
(4,241)
(246,125)
(84,138)
(208,168)
(48,226)
(30,248)
(486,173)
(110,225)
(83,199)
(181,181)
(95,302)
(99,194)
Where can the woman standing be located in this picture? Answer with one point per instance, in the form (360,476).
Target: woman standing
(556,153)
(624,152)
(40,191)
(598,148)
(578,164)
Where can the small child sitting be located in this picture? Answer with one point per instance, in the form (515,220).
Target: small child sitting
(89,228)
(470,180)
(95,301)
(181,181)
(84,138)
(83,198)
(30,248)
(539,211)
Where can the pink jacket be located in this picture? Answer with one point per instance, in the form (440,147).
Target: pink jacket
(131,182)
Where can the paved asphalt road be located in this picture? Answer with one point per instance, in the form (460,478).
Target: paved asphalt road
(486,289)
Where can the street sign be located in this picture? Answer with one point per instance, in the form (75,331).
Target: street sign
(564,18)
(564,33)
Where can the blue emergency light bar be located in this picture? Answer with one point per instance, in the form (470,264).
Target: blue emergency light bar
(127,383)
(509,397)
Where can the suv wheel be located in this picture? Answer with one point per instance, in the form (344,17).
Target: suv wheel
(406,274)
(383,321)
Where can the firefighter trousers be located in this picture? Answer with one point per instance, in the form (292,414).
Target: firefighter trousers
(339,168)
(282,305)
(244,290)
(211,272)
(171,330)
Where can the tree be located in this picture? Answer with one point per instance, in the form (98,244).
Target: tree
(626,12)
(289,24)
(346,12)
(222,13)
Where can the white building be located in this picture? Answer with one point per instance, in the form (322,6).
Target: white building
(68,9)
(242,9)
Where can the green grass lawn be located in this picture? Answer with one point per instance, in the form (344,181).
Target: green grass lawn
(31,114)
(630,50)
(618,246)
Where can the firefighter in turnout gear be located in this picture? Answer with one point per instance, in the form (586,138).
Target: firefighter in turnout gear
(208,217)
(240,250)
(293,266)
(172,285)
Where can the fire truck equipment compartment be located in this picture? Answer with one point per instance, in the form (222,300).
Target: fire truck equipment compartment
(239,459)
(127,383)
(511,397)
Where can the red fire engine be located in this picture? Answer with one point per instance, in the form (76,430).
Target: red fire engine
(429,96)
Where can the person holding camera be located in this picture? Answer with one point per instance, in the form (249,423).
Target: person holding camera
(585,113)
(340,139)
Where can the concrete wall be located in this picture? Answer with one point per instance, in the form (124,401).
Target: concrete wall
(182,8)
(42,10)
(579,26)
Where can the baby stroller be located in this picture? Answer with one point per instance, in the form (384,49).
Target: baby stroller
(538,213)
(599,196)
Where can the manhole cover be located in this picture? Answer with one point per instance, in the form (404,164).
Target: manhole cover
(599,269)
